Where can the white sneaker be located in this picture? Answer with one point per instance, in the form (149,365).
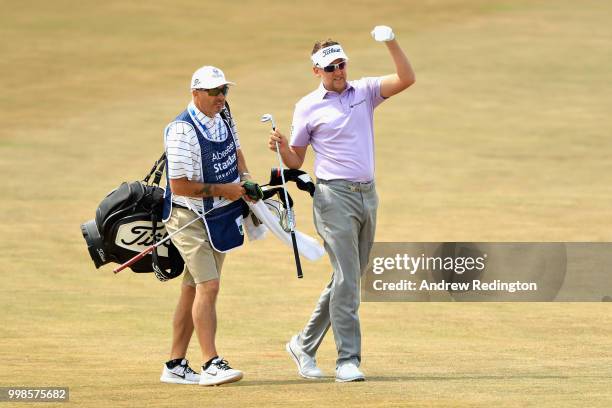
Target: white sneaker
(307,366)
(219,372)
(181,374)
(348,371)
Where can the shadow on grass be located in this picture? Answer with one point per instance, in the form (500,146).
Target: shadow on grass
(295,381)
(461,377)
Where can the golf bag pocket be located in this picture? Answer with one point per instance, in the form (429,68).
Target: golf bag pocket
(224,226)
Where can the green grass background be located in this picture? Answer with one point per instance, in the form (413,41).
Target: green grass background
(505,137)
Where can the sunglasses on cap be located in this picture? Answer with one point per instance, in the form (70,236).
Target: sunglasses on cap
(333,67)
(215,91)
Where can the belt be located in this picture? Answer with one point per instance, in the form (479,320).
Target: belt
(355,186)
(175,205)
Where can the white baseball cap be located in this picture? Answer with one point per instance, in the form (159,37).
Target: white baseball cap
(325,56)
(208,77)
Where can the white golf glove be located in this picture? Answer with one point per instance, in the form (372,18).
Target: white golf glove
(383,33)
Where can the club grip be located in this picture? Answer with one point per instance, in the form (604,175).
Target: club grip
(298,263)
(134,259)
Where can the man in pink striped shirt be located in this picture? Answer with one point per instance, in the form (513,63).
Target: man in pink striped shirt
(336,119)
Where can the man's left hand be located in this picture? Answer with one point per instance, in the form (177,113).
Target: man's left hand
(253,192)
(383,33)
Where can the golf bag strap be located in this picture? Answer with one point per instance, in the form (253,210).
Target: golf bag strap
(161,274)
(158,169)
(154,260)
(228,111)
(154,257)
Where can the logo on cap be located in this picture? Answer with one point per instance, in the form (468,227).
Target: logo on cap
(196,82)
(328,51)
(216,73)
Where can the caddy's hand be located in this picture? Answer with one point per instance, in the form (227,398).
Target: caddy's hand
(231,191)
(276,136)
(383,33)
(253,192)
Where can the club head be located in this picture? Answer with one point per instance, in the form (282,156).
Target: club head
(268,118)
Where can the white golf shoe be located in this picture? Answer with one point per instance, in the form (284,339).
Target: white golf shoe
(219,372)
(307,366)
(181,374)
(347,372)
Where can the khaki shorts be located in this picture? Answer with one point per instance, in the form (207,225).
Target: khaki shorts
(202,262)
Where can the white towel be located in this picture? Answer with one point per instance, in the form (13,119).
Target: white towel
(307,246)
(254,232)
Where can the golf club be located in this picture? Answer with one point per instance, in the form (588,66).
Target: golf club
(150,249)
(290,220)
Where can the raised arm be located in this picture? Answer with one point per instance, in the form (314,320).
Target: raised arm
(404,74)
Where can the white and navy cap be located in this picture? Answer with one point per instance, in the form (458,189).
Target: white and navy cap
(208,77)
(325,56)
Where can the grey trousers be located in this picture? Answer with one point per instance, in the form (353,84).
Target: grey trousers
(345,217)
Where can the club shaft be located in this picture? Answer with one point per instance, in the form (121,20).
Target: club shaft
(289,210)
(296,253)
(290,220)
(134,259)
(150,249)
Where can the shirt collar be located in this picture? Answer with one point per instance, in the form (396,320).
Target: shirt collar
(321,91)
(200,116)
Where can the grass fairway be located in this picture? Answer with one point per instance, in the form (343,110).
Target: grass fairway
(504,137)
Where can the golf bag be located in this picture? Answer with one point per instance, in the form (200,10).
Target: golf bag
(127,221)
